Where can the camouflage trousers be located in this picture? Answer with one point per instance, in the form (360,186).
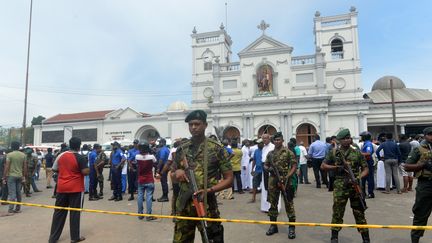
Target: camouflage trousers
(184,230)
(342,192)
(273,198)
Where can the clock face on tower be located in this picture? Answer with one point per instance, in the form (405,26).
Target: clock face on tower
(208,56)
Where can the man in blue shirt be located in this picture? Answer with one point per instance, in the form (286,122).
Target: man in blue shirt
(392,159)
(257,169)
(367,151)
(162,157)
(117,161)
(132,170)
(317,151)
(93,196)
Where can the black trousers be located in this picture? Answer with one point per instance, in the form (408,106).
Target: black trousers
(73,200)
(422,207)
(116,182)
(316,164)
(164,184)
(132,181)
(237,179)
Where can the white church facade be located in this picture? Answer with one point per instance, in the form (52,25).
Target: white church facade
(269,89)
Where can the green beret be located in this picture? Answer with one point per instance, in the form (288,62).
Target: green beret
(278,135)
(343,133)
(196,115)
(427,130)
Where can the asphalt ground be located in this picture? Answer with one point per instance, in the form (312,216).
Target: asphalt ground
(311,205)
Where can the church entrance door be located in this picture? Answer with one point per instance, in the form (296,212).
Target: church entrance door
(269,129)
(304,133)
(231,133)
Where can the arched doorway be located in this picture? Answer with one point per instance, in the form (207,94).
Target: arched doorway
(304,133)
(147,133)
(269,129)
(231,133)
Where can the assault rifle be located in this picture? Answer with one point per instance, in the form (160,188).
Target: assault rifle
(281,184)
(198,202)
(355,183)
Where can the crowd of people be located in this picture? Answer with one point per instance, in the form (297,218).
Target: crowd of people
(261,166)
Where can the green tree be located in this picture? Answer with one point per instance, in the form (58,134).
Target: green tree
(37,120)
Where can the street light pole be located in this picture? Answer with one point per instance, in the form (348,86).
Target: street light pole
(23,130)
(393,110)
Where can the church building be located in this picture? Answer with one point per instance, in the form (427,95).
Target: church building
(268,89)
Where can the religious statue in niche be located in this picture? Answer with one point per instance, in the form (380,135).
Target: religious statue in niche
(265,80)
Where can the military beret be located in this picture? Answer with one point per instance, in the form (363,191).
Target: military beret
(343,133)
(427,130)
(278,135)
(196,115)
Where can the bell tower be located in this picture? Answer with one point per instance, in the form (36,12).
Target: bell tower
(208,48)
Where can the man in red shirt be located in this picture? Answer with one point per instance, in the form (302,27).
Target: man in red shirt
(145,162)
(71,168)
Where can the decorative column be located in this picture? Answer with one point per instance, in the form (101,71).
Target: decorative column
(245,126)
(360,118)
(282,124)
(288,122)
(251,127)
(320,65)
(323,126)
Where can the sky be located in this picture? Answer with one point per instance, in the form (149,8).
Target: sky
(106,54)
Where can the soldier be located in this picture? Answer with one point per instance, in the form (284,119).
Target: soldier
(284,161)
(201,155)
(101,160)
(32,161)
(420,161)
(343,190)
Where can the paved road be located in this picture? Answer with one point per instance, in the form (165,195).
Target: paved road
(311,205)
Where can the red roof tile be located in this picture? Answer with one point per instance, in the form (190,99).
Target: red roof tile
(74,117)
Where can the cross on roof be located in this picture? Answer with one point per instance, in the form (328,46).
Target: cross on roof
(263,26)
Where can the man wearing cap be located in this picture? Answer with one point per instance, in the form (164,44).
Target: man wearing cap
(283,160)
(420,162)
(117,161)
(208,159)
(343,190)
(132,169)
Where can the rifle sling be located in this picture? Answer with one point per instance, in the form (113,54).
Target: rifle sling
(205,169)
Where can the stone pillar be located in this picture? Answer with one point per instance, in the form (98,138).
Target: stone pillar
(216,80)
(245,126)
(251,126)
(282,124)
(323,126)
(320,65)
(289,126)
(361,127)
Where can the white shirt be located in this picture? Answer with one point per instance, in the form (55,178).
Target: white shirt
(245,157)
(303,153)
(173,150)
(266,149)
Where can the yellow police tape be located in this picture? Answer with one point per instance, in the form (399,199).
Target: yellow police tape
(243,221)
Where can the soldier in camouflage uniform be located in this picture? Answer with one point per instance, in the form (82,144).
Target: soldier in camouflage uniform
(192,154)
(32,161)
(282,159)
(343,189)
(420,161)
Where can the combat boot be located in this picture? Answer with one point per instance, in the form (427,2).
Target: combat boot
(291,232)
(334,236)
(365,237)
(273,228)
(415,239)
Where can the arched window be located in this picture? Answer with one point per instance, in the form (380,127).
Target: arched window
(337,49)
